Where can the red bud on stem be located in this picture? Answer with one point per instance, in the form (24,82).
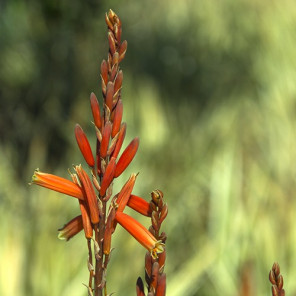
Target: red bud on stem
(95,108)
(84,146)
(126,157)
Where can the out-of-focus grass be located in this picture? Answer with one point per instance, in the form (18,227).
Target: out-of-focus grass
(215,107)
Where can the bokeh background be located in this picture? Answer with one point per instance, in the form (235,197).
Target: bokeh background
(209,87)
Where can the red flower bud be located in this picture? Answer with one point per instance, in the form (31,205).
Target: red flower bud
(84,145)
(122,50)
(161,285)
(120,139)
(105,139)
(95,108)
(126,157)
(104,72)
(88,231)
(109,95)
(154,275)
(118,81)
(108,176)
(140,205)
(112,46)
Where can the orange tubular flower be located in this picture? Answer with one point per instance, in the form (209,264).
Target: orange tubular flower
(140,205)
(125,193)
(57,184)
(108,176)
(71,228)
(90,194)
(84,145)
(140,233)
(88,231)
(126,157)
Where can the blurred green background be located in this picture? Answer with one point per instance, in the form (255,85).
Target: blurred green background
(209,87)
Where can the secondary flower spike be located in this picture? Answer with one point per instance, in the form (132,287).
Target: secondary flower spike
(84,145)
(140,233)
(57,184)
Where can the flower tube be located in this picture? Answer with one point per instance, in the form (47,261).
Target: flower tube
(140,233)
(57,184)
(71,228)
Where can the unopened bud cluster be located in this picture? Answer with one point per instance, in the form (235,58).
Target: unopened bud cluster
(277,281)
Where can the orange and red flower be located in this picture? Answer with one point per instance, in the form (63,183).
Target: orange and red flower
(125,192)
(140,233)
(140,205)
(89,193)
(57,184)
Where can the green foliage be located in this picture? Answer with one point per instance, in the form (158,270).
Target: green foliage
(209,87)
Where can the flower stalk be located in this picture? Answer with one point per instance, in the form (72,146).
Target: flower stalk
(99,213)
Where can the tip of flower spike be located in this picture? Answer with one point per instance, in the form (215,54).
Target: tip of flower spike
(156,195)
